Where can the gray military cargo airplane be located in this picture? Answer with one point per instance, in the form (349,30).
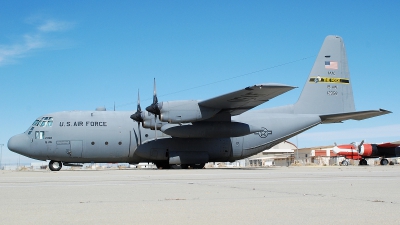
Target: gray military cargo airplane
(191,133)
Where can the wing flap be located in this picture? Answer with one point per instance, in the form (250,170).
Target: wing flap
(360,115)
(240,101)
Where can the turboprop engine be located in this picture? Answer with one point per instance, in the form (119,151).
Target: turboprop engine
(368,150)
(149,121)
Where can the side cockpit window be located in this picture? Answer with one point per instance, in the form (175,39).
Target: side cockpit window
(35,123)
(39,135)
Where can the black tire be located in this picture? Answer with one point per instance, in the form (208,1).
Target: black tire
(163,165)
(384,162)
(345,163)
(198,166)
(184,166)
(55,165)
(363,162)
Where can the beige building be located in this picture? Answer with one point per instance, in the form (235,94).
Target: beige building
(281,154)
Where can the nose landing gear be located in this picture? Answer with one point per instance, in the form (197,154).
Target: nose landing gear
(55,165)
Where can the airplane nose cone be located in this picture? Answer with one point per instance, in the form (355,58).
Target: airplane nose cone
(19,144)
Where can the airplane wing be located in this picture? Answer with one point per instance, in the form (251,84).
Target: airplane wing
(360,115)
(388,145)
(240,101)
(396,142)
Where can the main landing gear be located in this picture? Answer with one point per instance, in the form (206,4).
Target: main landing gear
(363,162)
(193,166)
(384,162)
(181,166)
(55,165)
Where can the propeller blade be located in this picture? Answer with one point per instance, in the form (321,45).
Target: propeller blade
(138,117)
(140,133)
(138,102)
(155,100)
(155,125)
(359,146)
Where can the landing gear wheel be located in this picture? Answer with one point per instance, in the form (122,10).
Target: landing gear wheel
(363,162)
(384,162)
(162,166)
(345,163)
(184,166)
(198,166)
(55,165)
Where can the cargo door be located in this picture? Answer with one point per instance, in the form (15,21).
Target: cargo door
(63,148)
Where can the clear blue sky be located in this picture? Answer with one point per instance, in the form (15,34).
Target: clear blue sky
(78,55)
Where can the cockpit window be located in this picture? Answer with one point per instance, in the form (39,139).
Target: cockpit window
(50,122)
(45,122)
(35,123)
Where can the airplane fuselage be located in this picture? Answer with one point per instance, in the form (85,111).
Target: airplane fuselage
(111,136)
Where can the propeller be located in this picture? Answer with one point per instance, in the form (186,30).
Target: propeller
(155,108)
(138,117)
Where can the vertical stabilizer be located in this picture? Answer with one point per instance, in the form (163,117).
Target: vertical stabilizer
(328,88)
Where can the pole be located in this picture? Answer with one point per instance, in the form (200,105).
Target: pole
(297,148)
(1,156)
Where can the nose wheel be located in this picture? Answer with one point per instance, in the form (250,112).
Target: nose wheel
(55,165)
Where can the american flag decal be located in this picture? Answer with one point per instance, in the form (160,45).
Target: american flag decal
(331,65)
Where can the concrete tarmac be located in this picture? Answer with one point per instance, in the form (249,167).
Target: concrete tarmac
(276,195)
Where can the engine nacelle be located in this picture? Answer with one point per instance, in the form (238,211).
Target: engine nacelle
(369,150)
(150,122)
(185,111)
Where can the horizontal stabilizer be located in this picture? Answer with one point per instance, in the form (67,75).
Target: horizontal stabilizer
(360,115)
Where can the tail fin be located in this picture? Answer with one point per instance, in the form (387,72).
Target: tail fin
(328,88)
